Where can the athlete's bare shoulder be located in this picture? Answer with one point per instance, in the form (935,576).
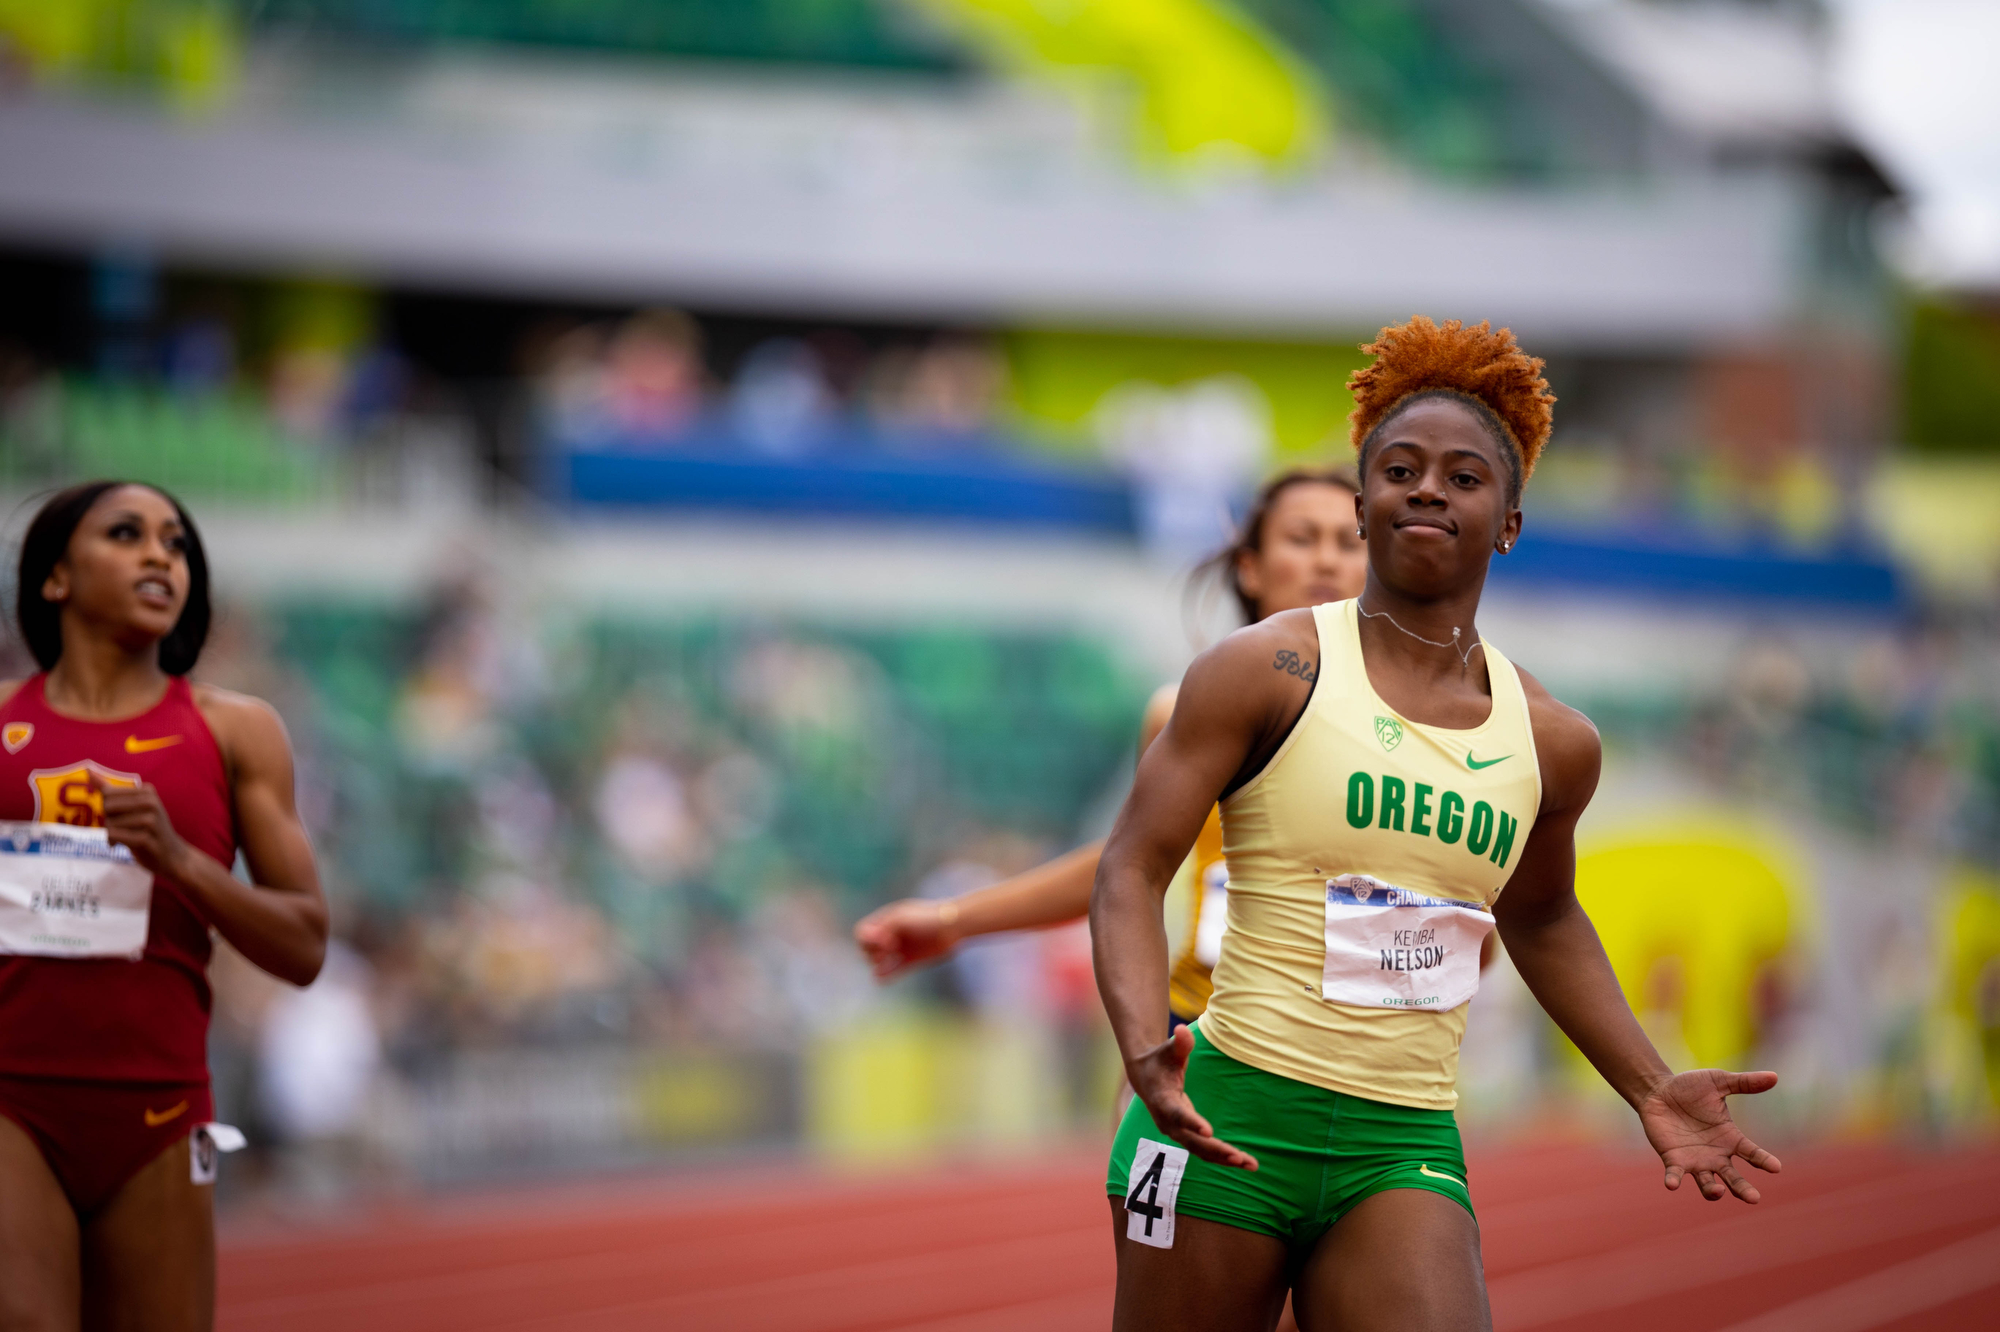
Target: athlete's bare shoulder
(1252,683)
(1237,702)
(1293,628)
(246,727)
(1291,635)
(229,704)
(1567,744)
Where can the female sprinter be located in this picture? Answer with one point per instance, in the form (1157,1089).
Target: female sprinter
(1296,548)
(1374,805)
(103,1064)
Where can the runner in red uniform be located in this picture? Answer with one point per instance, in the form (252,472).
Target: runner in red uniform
(103,1054)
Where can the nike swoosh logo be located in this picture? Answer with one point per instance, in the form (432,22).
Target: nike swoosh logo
(155,1119)
(1470,762)
(134,745)
(1437,1174)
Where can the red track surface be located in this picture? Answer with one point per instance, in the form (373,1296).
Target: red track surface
(1847,1239)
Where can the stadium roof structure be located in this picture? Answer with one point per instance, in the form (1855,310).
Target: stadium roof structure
(1573,172)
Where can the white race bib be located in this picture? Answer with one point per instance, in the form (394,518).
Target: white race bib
(67,892)
(1387,947)
(206,1144)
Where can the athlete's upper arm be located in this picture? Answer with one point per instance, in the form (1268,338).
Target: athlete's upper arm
(1228,702)
(1571,757)
(259,755)
(1567,746)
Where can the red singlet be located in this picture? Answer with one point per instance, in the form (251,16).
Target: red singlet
(108,1019)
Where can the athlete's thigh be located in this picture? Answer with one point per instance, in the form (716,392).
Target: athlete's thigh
(1404,1260)
(149,1255)
(40,1285)
(1215,1278)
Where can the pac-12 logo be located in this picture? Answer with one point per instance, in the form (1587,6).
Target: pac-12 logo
(1389,731)
(16,735)
(66,794)
(1360,887)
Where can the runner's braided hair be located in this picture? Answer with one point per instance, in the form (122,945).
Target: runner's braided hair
(1484,369)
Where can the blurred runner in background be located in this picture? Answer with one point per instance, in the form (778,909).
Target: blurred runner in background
(106,1145)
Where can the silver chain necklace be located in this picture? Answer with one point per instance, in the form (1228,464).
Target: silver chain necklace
(1464,655)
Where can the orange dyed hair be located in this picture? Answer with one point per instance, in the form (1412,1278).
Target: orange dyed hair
(1476,363)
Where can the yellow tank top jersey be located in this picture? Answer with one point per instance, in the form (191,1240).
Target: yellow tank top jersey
(1358,808)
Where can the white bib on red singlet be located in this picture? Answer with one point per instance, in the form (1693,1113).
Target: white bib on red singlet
(67,892)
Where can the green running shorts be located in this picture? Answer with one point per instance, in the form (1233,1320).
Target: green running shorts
(1318,1153)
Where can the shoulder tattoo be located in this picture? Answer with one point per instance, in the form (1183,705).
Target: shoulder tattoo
(1292,664)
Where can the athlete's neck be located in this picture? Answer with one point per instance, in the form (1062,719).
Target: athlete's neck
(96,679)
(1427,617)
(1423,641)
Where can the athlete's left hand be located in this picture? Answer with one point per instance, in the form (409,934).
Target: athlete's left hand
(135,817)
(898,936)
(1687,1120)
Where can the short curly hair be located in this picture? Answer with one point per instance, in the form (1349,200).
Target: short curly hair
(1486,370)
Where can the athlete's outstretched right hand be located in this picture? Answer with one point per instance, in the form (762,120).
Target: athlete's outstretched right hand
(898,936)
(1159,1077)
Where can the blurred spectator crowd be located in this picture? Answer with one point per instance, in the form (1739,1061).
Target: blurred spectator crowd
(646,381)
(316,390)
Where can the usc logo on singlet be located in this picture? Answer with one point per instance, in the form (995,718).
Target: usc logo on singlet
(65,794)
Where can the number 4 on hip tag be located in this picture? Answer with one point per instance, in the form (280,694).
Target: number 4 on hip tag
(1157,1168)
